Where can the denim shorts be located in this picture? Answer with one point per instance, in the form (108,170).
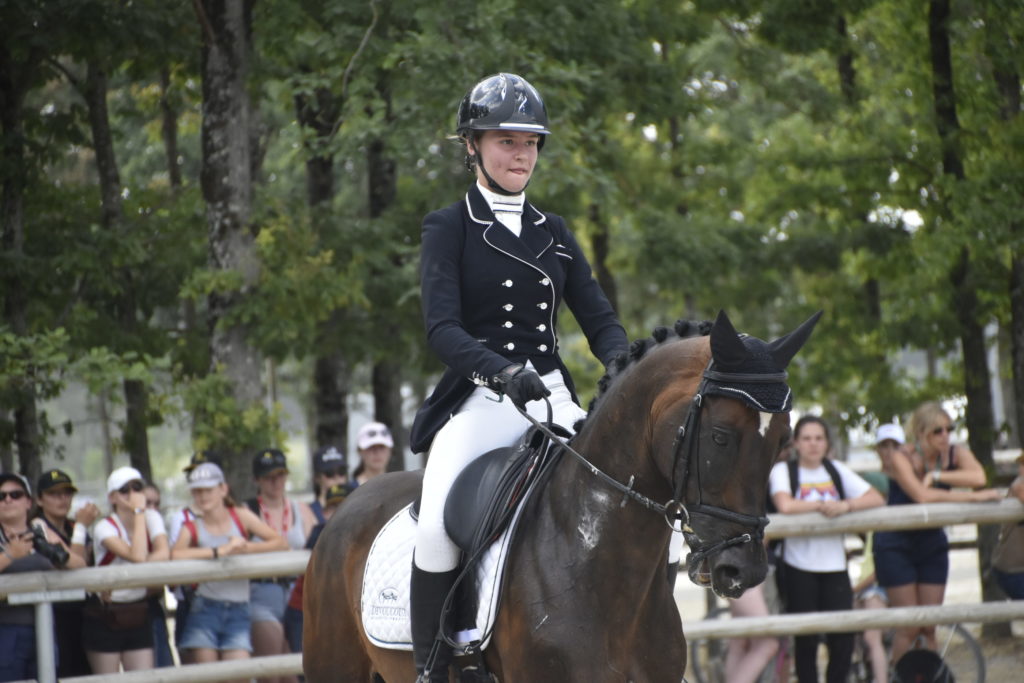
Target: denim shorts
(217,625)
(268,600)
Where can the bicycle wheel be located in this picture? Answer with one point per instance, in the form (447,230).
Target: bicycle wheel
(961,653)
(707,656)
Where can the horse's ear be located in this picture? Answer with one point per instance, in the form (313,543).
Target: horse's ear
(784,348)
(727,348)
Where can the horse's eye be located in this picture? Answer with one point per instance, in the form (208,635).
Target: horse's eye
(720,436)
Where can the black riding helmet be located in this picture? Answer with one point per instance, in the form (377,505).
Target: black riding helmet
(502,102)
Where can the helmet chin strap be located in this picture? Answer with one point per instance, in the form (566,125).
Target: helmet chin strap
(491,182)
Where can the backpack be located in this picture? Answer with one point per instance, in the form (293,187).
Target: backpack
(108,556)
(190,524)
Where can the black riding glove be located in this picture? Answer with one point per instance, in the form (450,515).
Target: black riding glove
(520,385)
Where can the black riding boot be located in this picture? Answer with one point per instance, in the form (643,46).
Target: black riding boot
(428,591)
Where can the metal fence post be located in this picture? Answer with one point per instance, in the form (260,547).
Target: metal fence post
(46,664)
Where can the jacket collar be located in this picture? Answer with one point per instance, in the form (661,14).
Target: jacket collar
(534,240)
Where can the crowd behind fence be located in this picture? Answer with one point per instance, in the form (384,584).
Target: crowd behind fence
(42,588)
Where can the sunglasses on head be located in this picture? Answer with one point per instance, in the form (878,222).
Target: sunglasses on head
(939,430)
(376,432)
(131,486)
(13,495)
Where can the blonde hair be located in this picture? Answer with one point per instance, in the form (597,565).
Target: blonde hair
(925,417)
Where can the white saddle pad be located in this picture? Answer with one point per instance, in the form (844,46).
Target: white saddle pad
(385,598)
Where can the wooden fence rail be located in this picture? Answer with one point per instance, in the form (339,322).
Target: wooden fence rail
(43,588)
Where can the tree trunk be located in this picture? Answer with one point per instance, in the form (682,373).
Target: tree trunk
(977,388)
(331,371)
(1017,343)
(136,414)
(1002,52)
(600,240)
(387,408)
(330,386)
(13,80)
(135,439)
(227,188)
(169,130)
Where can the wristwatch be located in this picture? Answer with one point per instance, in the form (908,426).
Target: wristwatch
(139,511)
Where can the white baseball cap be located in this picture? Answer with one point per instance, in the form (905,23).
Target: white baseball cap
(121,476)
(890,431)
(374,434)
(205,476)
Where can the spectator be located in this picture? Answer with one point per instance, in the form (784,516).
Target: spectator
(1008,558)
(913,565)
(334,496)
(117,630)
(329,468)
(20,553)
(374,444)
(814,568)
(746,658)
(54,492)
(183,594)
(157,596)
(293,521)
(218,622)
(866,591)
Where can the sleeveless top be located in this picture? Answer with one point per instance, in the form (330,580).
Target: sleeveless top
(897,496)
(910,539)
(230,590)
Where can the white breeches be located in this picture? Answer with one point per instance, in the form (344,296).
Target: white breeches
(481,424)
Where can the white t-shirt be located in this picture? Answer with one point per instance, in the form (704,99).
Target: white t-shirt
(817,553)
(112,526)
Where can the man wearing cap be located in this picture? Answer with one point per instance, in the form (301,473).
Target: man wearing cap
(329,469)
(374,443)
(293,520)
(54,492)
(17,554)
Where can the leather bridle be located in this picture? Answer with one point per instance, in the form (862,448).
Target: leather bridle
(687,442)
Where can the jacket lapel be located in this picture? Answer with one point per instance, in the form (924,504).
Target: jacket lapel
(534,240)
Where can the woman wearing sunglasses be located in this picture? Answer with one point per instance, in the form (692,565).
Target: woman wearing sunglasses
(17,554)
(117,630)
(913,566)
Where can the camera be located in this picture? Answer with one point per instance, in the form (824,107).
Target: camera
(54,552)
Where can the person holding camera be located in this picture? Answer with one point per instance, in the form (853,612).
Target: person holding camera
(54,493)
(117,628)
(21,550)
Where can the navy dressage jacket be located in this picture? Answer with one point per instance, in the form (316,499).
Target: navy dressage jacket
(491,299)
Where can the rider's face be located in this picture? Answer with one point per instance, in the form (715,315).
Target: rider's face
(509,156)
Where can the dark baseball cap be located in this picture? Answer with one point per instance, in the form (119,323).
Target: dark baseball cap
(199,457)
(20,478)
(268,461)
(328,458)
(54,479)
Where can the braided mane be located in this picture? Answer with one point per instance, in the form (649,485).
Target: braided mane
(683,329)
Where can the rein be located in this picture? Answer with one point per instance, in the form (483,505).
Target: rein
(686,442)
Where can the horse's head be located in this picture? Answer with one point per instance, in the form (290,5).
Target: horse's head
(721,457)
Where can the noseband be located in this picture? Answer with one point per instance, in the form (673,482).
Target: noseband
(687,444)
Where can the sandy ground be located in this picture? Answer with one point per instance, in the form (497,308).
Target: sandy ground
(1004,657)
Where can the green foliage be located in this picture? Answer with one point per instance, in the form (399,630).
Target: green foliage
(220,423)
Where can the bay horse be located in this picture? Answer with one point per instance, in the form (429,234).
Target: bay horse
(696,421)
